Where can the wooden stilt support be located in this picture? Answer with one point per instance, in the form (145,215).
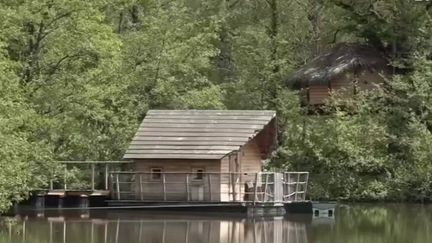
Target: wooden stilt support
(141,187)
(187,187)
(209,186)
(65,178)
(164,187)
(60,202)
(255,189)
(93,177)
(265,187)
(106,177)
(84,201)
(118,186)
(40,201)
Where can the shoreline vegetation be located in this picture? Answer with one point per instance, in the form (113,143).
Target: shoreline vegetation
(77,77)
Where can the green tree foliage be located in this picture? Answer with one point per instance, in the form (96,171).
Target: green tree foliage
(24,159)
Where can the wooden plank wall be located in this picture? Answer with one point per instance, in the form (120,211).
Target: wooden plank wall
(344,86)
(318,94)
(250,163)
(155,190)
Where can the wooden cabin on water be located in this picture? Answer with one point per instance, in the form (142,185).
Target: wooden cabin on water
(347,68)
(188,158)
(200,155)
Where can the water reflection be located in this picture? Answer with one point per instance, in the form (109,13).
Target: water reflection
(386,223)
(154,228)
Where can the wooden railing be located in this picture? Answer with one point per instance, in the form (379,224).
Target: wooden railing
(97,173)
(295,185)
(225,187)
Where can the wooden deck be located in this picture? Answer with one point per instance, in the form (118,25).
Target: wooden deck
(107,189)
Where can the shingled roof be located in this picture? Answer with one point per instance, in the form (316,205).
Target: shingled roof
(343,58)
(198,134)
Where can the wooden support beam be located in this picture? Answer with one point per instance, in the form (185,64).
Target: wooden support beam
(118,186)
(95,162)
(187,187)
(164,187)
(288,183)
(297,187)
(305,185)
(141,187)
(265,187)
(65,178)
(111,185)
(255,189)
(209,185)
(106,176)
(51,185)
(93,174)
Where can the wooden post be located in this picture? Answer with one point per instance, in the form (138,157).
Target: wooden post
(141,187)
(255,188)
(65,178)
(209,185)
(106,177)
(51,185)
(118,186)
(277,187)
(187,186)
(265,187)
(92,177)
(289,185)
(111,185)
(164,186)
(297,186)
(305,185)
(233,187)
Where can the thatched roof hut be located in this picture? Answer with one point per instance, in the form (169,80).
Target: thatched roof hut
(343,58)
(348,67)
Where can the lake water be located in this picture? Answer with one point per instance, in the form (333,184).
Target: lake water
(366,223)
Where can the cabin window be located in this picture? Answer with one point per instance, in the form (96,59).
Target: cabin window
(197,174)
(156,173)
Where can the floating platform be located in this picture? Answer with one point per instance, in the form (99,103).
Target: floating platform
(101,201)
(324,209)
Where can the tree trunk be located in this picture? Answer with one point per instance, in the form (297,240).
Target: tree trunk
(275,68)
(314,17)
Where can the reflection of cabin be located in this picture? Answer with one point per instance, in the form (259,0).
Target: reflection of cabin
(184,154)
(138,226)
(347,68)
